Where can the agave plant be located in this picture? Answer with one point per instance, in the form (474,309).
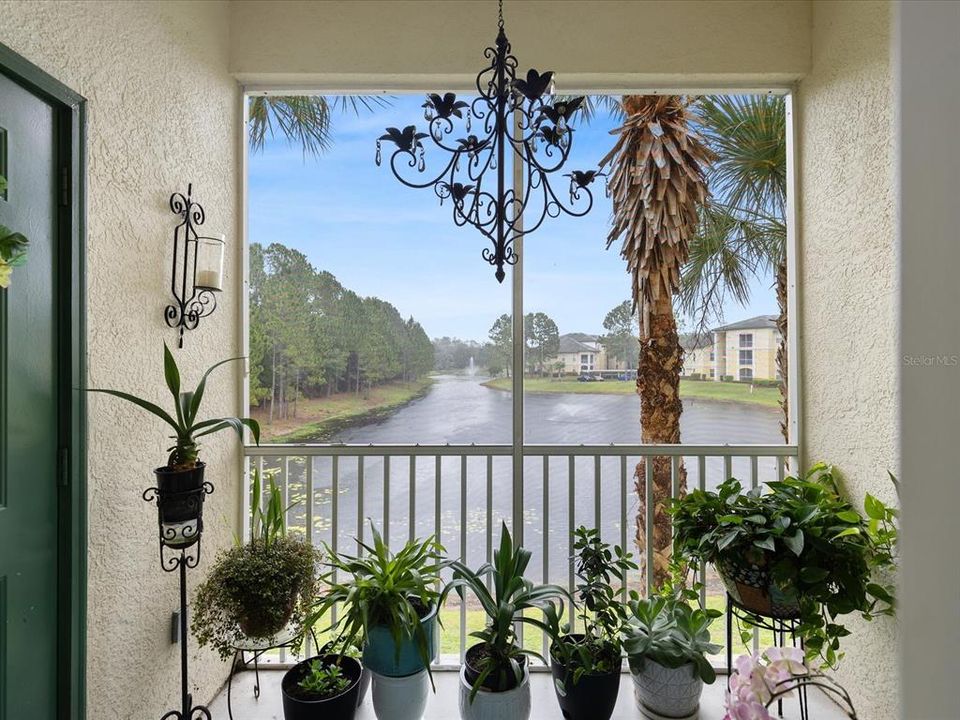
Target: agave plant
(501,665)
(187,428)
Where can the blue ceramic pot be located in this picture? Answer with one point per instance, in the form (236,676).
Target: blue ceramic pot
(380,653)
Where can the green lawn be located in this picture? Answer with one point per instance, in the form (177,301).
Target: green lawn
(693,389)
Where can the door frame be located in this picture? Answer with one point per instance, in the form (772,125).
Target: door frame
(70,122)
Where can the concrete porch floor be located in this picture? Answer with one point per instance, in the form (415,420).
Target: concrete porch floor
(443,705)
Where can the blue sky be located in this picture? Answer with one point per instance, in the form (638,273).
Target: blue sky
(381,238)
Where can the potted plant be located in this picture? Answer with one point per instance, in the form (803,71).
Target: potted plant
(326,686)
(495,679)
(389,602)
(799,550)
(13,248)
(180,481)
(586,666)
(257,589)
(667,641)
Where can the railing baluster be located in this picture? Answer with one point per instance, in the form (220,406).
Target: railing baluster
(436,501)
(463,550)
(753,486)
(309,509)
(489,555)
(727,467)
(648,529)
(545,542)
(571,523)
(436,511)
(596,493)
(360,502)
(386,499)
(780,468)
(412,510)
(623,516)
(702,485)
(335,518)
(285,489)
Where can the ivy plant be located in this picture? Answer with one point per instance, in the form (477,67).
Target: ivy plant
(816,544)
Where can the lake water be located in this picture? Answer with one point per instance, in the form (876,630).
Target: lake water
(460,410)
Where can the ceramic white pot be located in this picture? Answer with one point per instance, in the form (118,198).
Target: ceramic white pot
(509,705)
(400,698)
(663,692)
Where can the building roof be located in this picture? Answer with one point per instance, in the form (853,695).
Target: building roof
(693,341)
(578,342)
(754,323)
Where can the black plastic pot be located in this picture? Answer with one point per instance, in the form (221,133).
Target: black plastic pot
(338,707)
(181,496)
(472,670)
(592,697)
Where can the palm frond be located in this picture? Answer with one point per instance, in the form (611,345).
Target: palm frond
(304,120)
(727,252)
(748,135)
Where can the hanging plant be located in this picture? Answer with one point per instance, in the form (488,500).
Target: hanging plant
(13,248)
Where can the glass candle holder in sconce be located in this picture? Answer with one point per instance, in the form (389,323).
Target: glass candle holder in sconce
(209,274)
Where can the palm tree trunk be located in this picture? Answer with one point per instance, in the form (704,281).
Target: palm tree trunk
(782,348)
(658,385)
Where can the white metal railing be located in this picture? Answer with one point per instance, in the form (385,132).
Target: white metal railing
(459,493)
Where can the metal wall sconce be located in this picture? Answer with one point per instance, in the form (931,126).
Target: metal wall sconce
(197,273)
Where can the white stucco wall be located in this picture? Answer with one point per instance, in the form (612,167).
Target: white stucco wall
(161,110)
(848,321)
(592,43)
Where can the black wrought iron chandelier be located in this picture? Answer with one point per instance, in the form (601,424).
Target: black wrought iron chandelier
(511,115)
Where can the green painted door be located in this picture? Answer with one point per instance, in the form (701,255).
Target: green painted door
(28,414)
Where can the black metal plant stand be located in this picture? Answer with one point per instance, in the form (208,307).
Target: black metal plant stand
(258,650)
(780,627)
(179,550)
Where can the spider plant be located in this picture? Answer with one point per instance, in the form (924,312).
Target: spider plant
(382,589)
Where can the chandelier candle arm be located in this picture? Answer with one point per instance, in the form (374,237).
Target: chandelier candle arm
(476,137)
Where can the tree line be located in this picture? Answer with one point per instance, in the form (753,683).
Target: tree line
(310,336)
(542,338)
